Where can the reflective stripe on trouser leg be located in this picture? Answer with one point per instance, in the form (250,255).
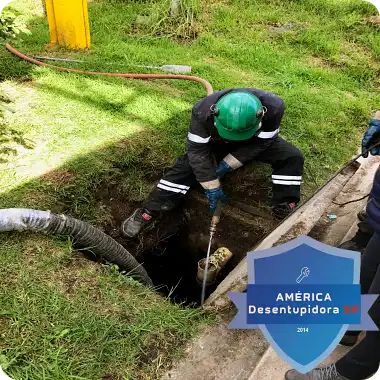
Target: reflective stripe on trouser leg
(286,188)
(172,188)
(287,180)
(287,162)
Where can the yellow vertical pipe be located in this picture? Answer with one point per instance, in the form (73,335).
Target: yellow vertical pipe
(86,23)
(52,24)
(69,23)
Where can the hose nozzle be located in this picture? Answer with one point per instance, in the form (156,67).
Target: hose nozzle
(215,218)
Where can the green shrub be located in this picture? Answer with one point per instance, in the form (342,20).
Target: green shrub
(11,25)
(171,18)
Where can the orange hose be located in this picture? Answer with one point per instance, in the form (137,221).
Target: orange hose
(133,76)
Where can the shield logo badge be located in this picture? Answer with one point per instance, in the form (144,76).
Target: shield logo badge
(303,295)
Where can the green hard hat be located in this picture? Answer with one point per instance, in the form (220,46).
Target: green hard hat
(238,115)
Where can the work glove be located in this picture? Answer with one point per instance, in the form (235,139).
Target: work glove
(222,169)
(215,195)
(371,137)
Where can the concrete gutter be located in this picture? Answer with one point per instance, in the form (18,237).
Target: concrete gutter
(271,367)
(334,231)
(220,353)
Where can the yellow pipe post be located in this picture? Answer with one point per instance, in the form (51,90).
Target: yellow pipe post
(68,23)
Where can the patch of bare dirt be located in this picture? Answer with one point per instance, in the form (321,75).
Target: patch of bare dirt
(249,186)
(112,377)
(320,63)
(37,197)
(5,323)
(349,95)
(59,177)
(76,272)
(155,347)
(281,28)
(195,213)
(79,274)
(170,249)
(375,20)
(319,230)
(209,60)
(296,231)
(43,247)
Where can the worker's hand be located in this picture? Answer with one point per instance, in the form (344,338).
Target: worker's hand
(371,137)
(222,169)
(215,195)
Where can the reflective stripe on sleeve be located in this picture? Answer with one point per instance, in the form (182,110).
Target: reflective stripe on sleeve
(232,161)
(198,139)
(210,184)
(268,135)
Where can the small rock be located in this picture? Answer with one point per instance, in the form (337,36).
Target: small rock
(282,28)
(143,20)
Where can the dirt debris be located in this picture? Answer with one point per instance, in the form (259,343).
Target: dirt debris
(112,377)
(59,177)
(297,230)
(375,20)
(321,63)
(171,248)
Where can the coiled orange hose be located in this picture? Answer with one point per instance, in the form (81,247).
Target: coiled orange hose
(208,86)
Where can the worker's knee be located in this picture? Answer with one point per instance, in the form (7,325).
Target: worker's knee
(298,156)
(294,157)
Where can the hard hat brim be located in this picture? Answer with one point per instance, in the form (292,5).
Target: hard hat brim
(233,135)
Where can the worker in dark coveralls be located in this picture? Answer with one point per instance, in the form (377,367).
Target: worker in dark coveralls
(363,361)
(228,129)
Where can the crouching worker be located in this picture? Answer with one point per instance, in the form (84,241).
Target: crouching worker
(228,129)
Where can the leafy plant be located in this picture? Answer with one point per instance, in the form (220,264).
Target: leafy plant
(172,18)
(11,25)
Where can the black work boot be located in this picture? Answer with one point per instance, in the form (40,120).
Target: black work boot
(326,373)
(360,241)
(352,245)
(283,210)
(362,215)
(350,338)
(136,222)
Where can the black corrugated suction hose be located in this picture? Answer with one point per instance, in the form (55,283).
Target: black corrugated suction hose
(83,234)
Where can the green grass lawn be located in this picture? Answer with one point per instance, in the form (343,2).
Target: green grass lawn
(65,136)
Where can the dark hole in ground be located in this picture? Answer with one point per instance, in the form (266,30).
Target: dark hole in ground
(173,268)
(174,263)
(170,251)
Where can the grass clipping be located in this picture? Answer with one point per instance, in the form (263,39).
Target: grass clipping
(180,19)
